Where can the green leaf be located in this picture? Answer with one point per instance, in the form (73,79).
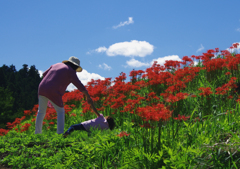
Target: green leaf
(185,123)
(166,161)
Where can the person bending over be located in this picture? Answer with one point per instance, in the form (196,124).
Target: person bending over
(52,87)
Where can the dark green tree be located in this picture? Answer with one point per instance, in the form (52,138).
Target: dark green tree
(22,87)
(6,104)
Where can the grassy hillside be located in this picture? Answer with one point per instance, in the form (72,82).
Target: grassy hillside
(180,118)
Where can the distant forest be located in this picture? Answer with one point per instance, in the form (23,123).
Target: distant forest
(18,92)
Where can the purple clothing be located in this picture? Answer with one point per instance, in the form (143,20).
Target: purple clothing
(55,81)
(99,122)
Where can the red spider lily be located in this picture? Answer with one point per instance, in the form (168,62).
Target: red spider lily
(196,119)
(34,119)
(35,108)
(73,114)
(140,72)
(226,87)
(154,113)
(182,117)
(25,127)
(147,125)
(235,45)
(121,78)
(133,93)
(118,102)
(51,123)
(169,97)
(123,133)
(72,105)
(75,95)
(3,132)
(215,64)
(50,114)
(206,91)
(187,59)
(86,107)
(67,109)
(225,53)
(152,96)
(131,105)
(177,87)
(27,112)
(17,121)
(207,56)
(172,63)
(140,84)
(211,51)
(228,73)
(133,74)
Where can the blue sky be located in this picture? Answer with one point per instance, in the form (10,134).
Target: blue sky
(113,36)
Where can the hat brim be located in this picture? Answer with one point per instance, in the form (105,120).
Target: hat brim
(79,69)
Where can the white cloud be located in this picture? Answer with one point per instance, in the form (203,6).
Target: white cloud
(200,49)
(129,49)
(101,49)
(105,66)
(130,21)
(238,29)
(40,72)
(136,63)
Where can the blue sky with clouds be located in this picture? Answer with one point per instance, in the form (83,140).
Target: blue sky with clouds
(110,37)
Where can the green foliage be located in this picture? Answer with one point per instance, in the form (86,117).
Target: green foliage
(106,149)
(6,103)
(18,91)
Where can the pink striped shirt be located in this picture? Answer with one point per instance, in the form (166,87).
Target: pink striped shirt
(99,123)
(55,81)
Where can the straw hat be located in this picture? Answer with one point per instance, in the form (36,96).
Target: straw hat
(74,61)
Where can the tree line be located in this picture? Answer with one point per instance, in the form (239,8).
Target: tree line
(18,92)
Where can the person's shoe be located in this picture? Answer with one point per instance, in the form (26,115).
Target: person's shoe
(65,135)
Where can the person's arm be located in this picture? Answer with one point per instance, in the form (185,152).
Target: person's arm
(89,100)
(82,89)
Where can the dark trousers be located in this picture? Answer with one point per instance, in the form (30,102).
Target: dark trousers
(75,127)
